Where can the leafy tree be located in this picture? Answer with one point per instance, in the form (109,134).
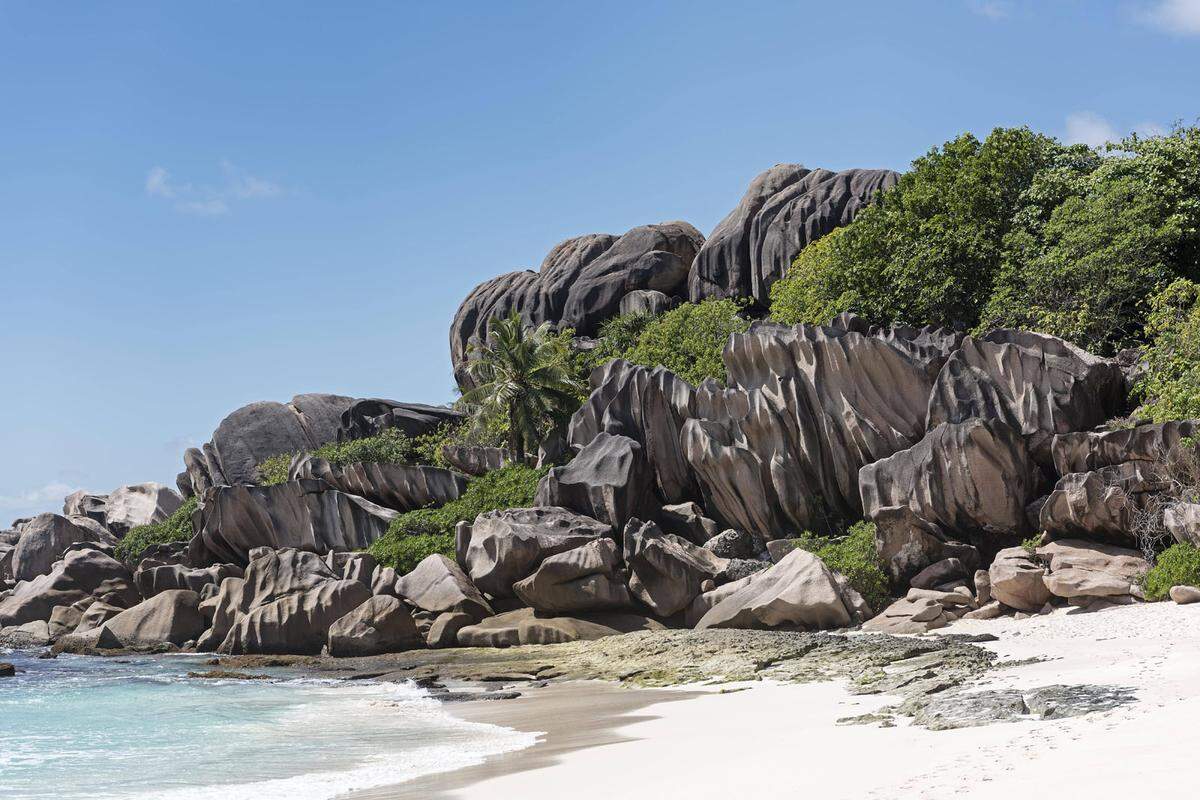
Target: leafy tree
(523,377)
(1170,386)
(417,534)
(927,250)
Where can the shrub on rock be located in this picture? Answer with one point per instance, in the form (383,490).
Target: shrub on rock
(1178,565)
(175,528)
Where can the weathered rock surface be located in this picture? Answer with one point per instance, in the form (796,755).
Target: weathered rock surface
(128,507)
(1182,520)
(580,284)
(400,487)
(380,625)
(798,592)
(1090,450)
(46,537)
(1017,578)
(687,520)
(1088,569)
(83,504)
(525,626)
(582,579)
(648,302)
(974,478)
(1040,385)
(255,432)
(304,514)
(1100,505)
(608,480)
(783,210)
(157,579)
(502,547)
(372,416)
(1183,595)
(666,571)
(80,574)
(287,602)
(170,616)
(648,406)
(476,459)
(779,453)
(438,585)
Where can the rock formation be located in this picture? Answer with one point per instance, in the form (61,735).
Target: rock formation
(783,210)
(399,487)
(581,283)
(608,480)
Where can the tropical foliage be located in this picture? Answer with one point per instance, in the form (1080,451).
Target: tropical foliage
(175,528)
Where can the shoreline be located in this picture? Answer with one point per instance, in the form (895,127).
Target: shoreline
(773,739)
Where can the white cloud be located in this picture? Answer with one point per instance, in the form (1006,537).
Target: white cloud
(51,493)
(991,9)
(1086,127)
(210,201)
(1147,129)
(1178,17)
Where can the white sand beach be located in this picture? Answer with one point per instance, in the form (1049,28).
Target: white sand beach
(772,740)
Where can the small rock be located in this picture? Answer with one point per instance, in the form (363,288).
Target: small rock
(1185,594)
(7,670)
(990,610)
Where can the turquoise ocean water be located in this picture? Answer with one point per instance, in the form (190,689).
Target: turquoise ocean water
(79,727)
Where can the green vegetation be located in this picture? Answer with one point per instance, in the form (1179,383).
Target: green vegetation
(523,379)
(688,339)
(854,556)
(1178,565)
(1031,544)
(389,447)
(1014,231)
(1170,387)
(417,534)
(175,528)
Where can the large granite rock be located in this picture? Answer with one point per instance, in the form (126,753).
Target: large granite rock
(304,514)
(79,574)
(798,592)
(46,537)
(1017,578)
(399,487)
(438,585)
(647,302)
(140,504)
(1087,569)
(372,416)
(502,547)
(286,604)
(648,406)
(779,453)
(1101,505)
(1040,385)
(84,504)
(255,432)
(380,625)
(1085,451)
(906,543)
(582,579)
(153,580)
(526,626)
(973,478)
(608,480)
(477,459)
(784,209)
(170,617)
(580,284)
(1182,521)
(666,571)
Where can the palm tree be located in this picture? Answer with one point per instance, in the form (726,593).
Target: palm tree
(522,377)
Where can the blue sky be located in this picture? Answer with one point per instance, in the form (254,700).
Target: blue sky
(208,205)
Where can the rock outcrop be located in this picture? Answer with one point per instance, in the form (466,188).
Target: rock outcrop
(1017,579)
(303,514)
(1086,451)
(438,585)
(1040,385)
(585,578)
(380,625)
(798,592)
(153,580)
(581,283)
(665,571)
(476,459)
(649,406)
(784,209)
(399,487)
(80,574)
(973,478)
(526,626)
(172,616)
(501,548)
(1101,505)
(128,507)
(45,539)
(372,416)
(608,480)
(1087,569)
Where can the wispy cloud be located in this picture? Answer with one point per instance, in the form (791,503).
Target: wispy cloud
(1177,17)
(1087,127)
(51,493)
(994,10)
(236,184)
